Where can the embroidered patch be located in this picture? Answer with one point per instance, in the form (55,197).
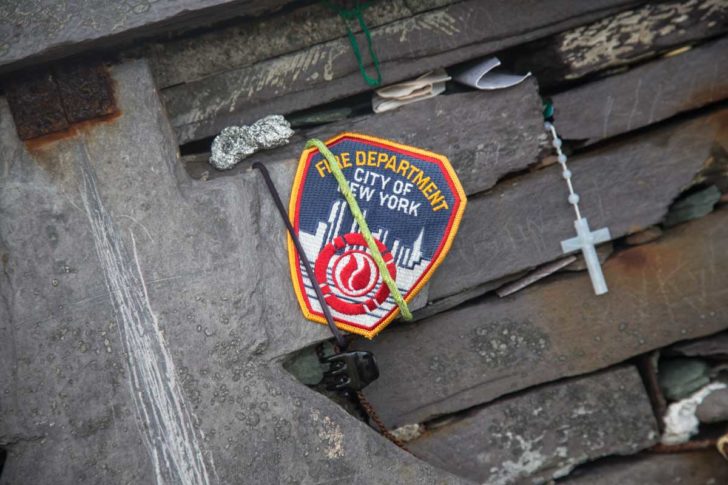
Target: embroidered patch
(412,201)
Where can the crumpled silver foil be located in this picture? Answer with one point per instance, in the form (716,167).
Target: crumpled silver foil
(235,143)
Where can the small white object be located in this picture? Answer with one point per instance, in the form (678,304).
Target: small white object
(680,420)
(480,75)
(424,87)
(585,239)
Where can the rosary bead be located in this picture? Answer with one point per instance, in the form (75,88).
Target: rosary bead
(556,143)
(573,199)
(562,158)
(566,173)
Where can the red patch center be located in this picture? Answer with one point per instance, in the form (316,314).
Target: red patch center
(355,273)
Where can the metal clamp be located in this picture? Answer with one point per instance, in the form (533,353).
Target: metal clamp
(350,370)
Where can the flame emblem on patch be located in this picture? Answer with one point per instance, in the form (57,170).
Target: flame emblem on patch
(349,277)
(355,273)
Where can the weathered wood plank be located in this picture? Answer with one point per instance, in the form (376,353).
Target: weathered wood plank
(33,31)
(543,433)
(659,293)
(624,38)
(329,71)
(625,187)
(250,41)
(691,468)
(644,95)
(485,134)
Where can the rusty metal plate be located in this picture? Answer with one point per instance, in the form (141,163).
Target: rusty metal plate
(86,91)
(36,105)
(49,101)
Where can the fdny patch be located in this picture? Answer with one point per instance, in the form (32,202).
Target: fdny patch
(412,202)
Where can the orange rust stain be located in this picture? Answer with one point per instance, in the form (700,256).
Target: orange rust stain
(45,152)
(646,257)
(40,145)
(632,258)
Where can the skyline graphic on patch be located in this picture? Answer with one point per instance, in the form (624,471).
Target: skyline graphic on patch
(412,201)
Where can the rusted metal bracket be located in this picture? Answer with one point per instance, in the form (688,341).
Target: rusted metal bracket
(647,365)
(51,100)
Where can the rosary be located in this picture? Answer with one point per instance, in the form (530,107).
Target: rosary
(585,239)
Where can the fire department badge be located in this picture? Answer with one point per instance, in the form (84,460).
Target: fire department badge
(412,201)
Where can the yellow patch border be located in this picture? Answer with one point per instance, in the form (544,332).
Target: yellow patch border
(292,260)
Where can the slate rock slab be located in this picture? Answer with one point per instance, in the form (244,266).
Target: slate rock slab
(328,71)
(34,31)
(485,135)
(714,408)
(543,433)
(691,468)
(643,95)
(659,293)
(714,346)
(628,37)
(625,186)
(253,40)
(145,315)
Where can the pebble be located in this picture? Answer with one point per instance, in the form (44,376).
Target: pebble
(693,206)
(678,378)
(408,432)
(714,408)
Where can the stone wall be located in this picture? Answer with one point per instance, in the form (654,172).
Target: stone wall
(148,328)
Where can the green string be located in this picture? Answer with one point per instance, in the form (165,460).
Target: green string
(352,14)
(364,228)
(548,109)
